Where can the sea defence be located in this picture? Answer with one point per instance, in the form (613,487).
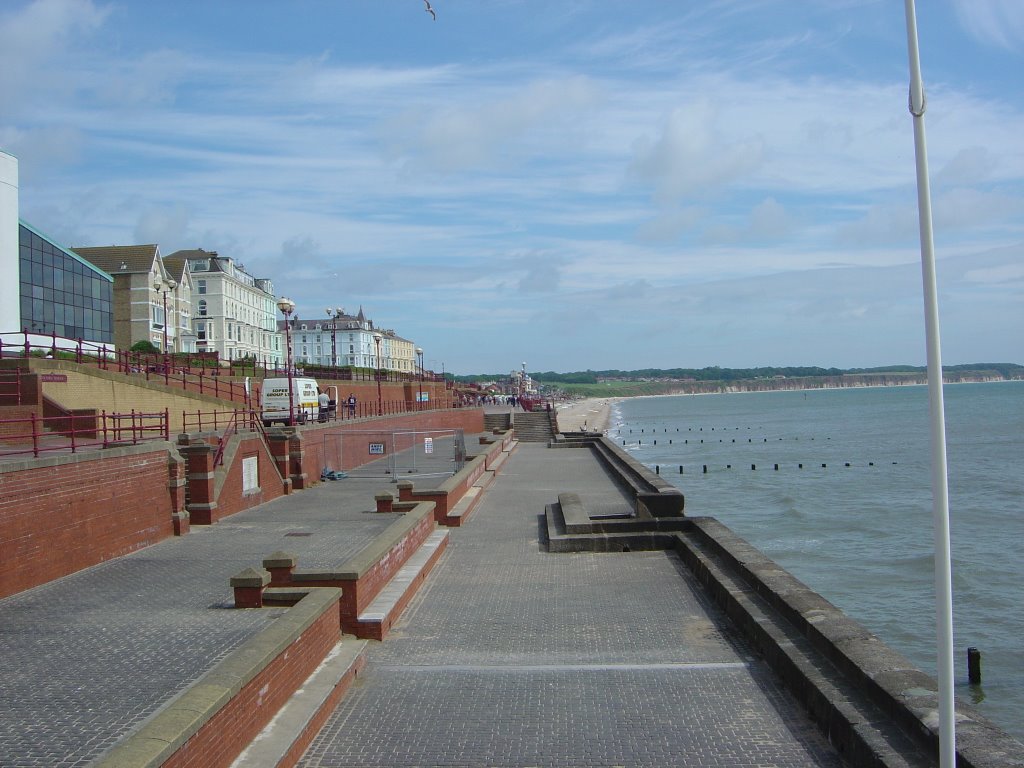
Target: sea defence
(871,702)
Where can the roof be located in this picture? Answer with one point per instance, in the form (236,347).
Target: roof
(177,267)
(121,259)
(85,262)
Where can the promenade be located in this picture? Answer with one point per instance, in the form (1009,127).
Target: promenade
(509,656)
(89,657)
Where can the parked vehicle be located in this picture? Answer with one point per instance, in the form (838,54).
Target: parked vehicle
(275,401)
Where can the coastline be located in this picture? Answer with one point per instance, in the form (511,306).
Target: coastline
(591,414)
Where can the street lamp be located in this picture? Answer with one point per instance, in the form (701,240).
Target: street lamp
(380,402)
(419,397)
(163,287)
(334,314)
(287,306)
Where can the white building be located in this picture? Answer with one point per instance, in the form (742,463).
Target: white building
(345,340)
(234,313)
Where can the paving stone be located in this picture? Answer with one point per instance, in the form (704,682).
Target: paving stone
(510,656)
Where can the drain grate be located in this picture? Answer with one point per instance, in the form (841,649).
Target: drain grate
(299,533)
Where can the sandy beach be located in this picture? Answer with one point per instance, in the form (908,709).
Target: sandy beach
(589,415)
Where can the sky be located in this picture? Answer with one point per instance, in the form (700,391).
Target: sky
(570,184)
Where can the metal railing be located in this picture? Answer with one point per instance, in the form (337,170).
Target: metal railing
(73,432)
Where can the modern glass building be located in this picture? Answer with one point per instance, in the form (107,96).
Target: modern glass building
(62,293)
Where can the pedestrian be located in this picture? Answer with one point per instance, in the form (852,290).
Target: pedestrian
(351,403)
(324,402)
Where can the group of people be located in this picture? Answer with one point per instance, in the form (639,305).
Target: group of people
(328,406)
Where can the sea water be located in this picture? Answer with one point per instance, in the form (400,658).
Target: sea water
(854,523)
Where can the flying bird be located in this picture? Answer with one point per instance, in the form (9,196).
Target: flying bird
(430,10)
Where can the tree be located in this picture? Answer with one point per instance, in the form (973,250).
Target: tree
(147,347)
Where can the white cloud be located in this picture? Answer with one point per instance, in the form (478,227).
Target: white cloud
(465,136)
(993,22)
(689,159)
(34,44)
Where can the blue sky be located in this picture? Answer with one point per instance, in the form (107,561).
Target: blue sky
(575,184)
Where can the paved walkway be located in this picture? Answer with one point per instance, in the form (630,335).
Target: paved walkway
(89,657)
(515,657)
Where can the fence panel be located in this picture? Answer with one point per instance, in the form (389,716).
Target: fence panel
(398,454)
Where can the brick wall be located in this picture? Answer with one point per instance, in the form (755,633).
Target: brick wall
(59,515)
(234,727)
(231,498)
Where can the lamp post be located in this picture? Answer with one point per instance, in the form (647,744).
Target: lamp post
(287,306)
(334,314)
(419,396)
(380,402)
(163,287)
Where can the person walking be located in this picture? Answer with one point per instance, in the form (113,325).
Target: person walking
(351,403)
(324,402)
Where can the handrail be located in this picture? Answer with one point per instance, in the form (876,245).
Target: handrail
(34,434)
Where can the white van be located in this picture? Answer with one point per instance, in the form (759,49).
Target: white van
(275,400)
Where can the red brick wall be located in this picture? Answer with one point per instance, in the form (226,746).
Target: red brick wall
(234,727)
(56,520)
(230,499)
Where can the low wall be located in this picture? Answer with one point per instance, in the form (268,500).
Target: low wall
(218,716)
(64,512)
(906,695)
(249,476)
(451,491)
(653,496)
(363,576)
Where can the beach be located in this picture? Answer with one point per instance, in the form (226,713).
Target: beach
(589,415)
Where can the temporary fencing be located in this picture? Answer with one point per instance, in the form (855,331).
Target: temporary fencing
(397,454)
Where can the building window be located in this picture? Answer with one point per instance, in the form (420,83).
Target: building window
(201,331)
(202,307)
(201,286)
(60,294)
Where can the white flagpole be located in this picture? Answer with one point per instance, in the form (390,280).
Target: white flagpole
(940,489)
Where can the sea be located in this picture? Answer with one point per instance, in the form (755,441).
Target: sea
(835,486)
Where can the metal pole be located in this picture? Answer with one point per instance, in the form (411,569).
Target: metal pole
(380,406)
(164,294)
(419,395)
(940,488)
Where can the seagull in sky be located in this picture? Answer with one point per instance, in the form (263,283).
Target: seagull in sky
(430,10)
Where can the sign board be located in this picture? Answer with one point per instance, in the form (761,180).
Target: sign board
(423,397)
(250,474)
(376,449)
(57,377)
(428,445)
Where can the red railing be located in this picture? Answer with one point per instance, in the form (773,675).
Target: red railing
(73,432)
(247,420)
(11,386)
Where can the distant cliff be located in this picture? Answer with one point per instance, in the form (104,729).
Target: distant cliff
(626,385)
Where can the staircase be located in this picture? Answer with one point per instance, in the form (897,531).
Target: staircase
(493,421)
(533,427)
